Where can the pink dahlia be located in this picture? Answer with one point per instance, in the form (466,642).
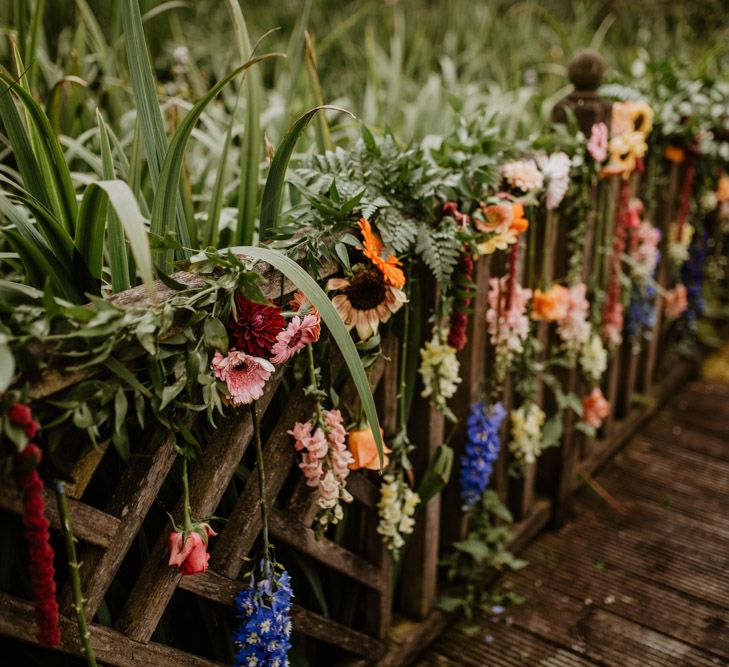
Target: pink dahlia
(245,375)
(299,333)
(598,144)
(255,327)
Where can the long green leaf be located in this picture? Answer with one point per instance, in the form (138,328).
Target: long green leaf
(318,298)
(122,199)
(17,134)
(250,153)
(271,201)
(216,197)
(165,197)
(117,247)
(57,176)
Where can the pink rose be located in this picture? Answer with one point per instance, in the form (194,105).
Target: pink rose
(194,556)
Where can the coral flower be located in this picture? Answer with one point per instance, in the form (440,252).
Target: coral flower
(674,154)
(389,267)
(496,217)
(722,189)
(255,327)
(245,375)
(676,301)
(519,223)
(299,333)
(302,305)
(595,408)
(193,557)
(597,147)
(552,305)
(365,301)
(361,443)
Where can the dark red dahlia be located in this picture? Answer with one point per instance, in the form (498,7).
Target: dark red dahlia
(255,328)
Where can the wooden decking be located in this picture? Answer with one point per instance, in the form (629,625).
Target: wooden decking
(645,588)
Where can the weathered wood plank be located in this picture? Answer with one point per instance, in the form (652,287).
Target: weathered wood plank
(135,493)
(219,588)
(157,582)
(110,646)
(89,524)
(284,529)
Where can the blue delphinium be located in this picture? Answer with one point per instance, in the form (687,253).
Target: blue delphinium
(262,638)
(692,275)
(482,449)
(642,312)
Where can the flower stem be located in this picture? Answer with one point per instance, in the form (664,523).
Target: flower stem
(402,408)
(314,384)
(74,567)
(261,479)
(186,508)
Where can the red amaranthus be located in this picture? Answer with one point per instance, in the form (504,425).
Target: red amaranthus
(36,530)
(457,336)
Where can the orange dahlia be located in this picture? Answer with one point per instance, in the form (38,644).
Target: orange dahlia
(389,267)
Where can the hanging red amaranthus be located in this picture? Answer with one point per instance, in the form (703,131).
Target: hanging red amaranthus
(36,530)
(457,336)
(612,314)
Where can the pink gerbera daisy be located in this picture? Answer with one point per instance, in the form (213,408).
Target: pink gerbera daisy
(246,376)
(299,333)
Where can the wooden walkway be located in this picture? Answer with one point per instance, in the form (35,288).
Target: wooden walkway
(647,588)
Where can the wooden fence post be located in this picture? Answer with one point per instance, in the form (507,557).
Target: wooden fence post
(559,466)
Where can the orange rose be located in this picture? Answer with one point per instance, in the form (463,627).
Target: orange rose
(361,442)
(495,216)
(552,305)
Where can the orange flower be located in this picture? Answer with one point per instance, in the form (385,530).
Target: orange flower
(361,442)
(722,189)
(519,223)
(674,154)
(595,408)
(389,267)
(552,305)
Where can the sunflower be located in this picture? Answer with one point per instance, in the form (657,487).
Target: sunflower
(389,267)
(365,300)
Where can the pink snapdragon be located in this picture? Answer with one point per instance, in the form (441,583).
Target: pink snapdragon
(595,408)
(597,147)
(574,328)
(507,328)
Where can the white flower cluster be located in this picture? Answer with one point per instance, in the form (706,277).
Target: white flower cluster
(396,510)
(439,369)
(523,174)
(678,248)
(594,358)
(556,171)
(526,432)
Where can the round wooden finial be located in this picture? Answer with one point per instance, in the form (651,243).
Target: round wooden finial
(585,69)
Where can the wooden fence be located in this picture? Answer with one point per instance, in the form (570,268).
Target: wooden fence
(108,530)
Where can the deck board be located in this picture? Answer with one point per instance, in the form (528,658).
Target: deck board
(648,588)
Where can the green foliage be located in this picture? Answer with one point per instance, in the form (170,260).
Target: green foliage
(472,561)
(439,249)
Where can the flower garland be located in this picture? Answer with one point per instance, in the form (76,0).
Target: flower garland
(482,450)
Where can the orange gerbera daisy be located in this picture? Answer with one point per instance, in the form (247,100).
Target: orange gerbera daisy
(389,267)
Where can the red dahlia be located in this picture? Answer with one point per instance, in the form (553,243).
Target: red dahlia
(255,328)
